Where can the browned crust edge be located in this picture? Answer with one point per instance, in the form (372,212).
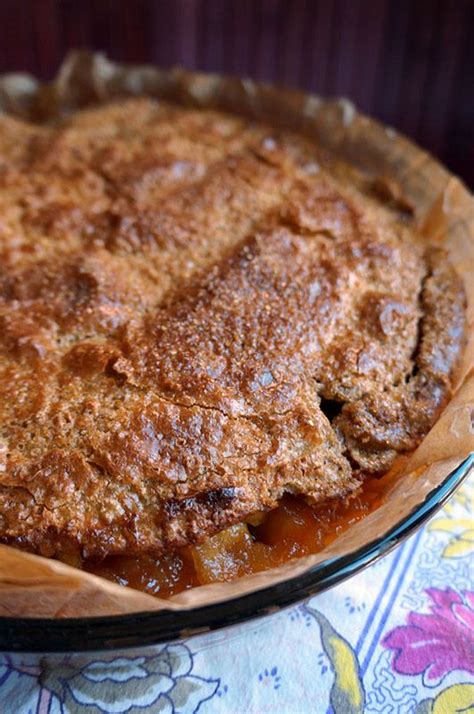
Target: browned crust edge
(445,213)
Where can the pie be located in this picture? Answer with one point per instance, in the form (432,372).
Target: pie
(202,315)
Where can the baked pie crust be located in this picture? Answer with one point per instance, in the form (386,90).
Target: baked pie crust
(201,313)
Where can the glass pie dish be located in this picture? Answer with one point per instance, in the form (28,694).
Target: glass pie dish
(100,616)
(141,630)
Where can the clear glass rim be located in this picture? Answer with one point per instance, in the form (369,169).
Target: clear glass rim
(144,629)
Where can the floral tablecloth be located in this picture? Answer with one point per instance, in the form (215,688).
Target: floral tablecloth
(397,638)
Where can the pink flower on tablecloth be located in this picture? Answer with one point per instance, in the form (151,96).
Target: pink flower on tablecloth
(436,643)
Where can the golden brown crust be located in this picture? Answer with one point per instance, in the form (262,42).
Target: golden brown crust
(197,316)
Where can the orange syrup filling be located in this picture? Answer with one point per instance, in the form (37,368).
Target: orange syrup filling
(291,530)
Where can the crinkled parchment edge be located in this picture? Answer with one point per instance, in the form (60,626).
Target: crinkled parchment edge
(444,209)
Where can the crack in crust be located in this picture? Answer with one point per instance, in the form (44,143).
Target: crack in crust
(197,316)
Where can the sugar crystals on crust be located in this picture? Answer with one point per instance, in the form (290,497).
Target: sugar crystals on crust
(198,315)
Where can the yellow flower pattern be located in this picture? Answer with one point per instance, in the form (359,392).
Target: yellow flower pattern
(454,700)
(457,522)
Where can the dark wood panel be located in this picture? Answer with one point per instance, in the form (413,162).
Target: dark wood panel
(407,62)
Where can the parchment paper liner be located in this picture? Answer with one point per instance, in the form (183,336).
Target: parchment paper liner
(39,587)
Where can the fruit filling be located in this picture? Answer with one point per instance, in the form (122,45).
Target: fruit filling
(291,530)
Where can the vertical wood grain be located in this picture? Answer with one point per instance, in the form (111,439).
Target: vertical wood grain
(408,62)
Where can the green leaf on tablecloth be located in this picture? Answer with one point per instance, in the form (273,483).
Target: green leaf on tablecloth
(144,691)
(53,679)
(190,691)
(173,660)
(160,683)
(424,707)
(182,691)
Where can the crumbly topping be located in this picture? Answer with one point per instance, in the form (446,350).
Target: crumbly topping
(198,315)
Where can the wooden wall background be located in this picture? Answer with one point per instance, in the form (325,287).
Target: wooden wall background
(408,62)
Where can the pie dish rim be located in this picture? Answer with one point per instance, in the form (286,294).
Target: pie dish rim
(238,608)
(121,632)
